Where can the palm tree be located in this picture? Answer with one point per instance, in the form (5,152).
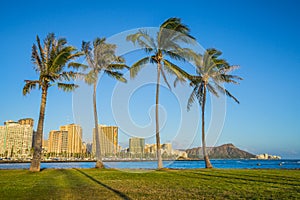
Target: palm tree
(212,72)
(50,62)
(101,59)
(167,44)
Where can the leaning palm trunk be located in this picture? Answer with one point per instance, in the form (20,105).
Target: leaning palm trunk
(158,152)
(36,160)
(206,158)
(99,163)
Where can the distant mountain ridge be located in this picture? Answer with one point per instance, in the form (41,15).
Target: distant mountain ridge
(225,151)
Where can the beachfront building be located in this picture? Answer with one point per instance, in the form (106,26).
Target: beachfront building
(166,148)
(67,140)
(74,144)
(137,145)
(180,154)
(58,142)
(45,146)
(167,151)
(266,156)
(108,139)
(150,148)
(16,138)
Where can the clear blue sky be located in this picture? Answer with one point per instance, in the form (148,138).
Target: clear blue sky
(261,36)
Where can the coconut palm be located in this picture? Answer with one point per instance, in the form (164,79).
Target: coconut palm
(101,59)
(167,44)
(50,62)
(212,72)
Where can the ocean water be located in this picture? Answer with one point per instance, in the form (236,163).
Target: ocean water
(223,164)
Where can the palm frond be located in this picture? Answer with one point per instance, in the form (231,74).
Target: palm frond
(173,55)
(231,96)
(42,53)
(165,78)
(98,41)
(117,66)
(91,77)
(48,45)
(198,92)
(179,38)
(120,59)
(77,66)
(175,24)
(61,42)
(195,79)
(67,87)
(140,34)
(191,99)
(61,58)
(49,77)
(35,58)
(76,55)
(226,92)
(136,67)
(175,70)
(185,53)
(212,90)
(230,68)
(173,29)
(116,75)
(86,49)
(227,78)
(29,85)
(143,39)
(213,53)
(149,41)
(69,75)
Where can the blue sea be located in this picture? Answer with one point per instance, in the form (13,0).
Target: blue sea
(222,164)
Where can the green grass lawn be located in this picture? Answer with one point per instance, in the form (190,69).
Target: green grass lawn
(167,184)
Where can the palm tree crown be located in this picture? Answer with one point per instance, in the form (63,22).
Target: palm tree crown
(167,44)
(50,62)
(212,72)
(102,58)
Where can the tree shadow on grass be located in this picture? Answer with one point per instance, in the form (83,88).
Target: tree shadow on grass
(233,177)
(120,194)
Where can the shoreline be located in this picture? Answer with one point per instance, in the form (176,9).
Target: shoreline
(181,160)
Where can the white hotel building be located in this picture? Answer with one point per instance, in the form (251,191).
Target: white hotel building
(16,138)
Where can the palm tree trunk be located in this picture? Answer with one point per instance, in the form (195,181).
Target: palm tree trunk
(206,158)
(158,152)
(99,163)
(36,160)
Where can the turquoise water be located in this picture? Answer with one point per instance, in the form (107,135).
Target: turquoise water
(225,164)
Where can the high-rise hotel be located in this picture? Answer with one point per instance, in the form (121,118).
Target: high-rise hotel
(66,140)
(137,145)
(16,138)
(74,137)
(108,139)
(58,142)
